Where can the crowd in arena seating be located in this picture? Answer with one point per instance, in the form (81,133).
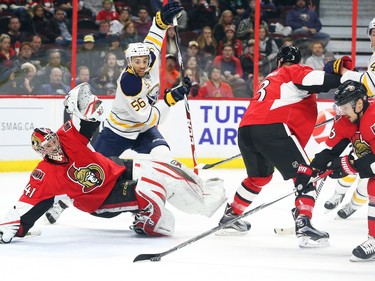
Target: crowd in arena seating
(217,42)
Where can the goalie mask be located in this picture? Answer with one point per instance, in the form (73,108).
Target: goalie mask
(47,144)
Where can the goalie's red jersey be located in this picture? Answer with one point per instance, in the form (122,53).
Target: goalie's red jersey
(278,100)
(87,178)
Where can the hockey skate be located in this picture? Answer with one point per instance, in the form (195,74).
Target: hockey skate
(364,251)
(308,236)
(346,211)
(334,201)
(55,211)
(239,227)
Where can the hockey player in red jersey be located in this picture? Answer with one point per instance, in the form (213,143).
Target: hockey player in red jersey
(273,133)
(355,124)
(99,185)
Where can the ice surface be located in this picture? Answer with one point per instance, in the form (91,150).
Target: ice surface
(83,247)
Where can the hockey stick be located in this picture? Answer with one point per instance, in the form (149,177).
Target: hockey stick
(158,256)
(291,230)
(209,166)
(187,108)
(203,166)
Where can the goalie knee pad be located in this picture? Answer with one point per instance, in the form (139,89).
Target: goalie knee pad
(153,218)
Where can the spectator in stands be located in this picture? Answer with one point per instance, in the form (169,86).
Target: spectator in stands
(207,47)
(305,22)
(230,38)
(59,29)
(106,13)
(200,76)
(267,47)
(171,41)
(65,5)
(201,14)
(287,41)
(215,87)
(247,61)
(88,55)
(237,7)
(226,18)
(103,35)
(115,48)
(108,74)
(192,51)
(27,85)
(94,6)
(54,61)
(317,58)
(25,54)
(83,75)
(249,90)
(129,35)
(38,23)
(183,19)
(231,70)
(118,25)
(7,58)
(38,56)
(172,75)
(56,86)
(16,36)
(194,84)
(143,22)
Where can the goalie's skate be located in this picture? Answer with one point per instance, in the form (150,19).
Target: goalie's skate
(55,211)
(346,211)
(308,236)
(334,201)
(364,251)
(240,227)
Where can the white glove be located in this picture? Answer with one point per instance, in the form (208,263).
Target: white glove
(83,104)
(9,226)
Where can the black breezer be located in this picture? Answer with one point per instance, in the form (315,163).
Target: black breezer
(268,146)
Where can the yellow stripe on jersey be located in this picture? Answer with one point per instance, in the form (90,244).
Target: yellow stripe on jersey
(153,40)
(368,88)
(137,125)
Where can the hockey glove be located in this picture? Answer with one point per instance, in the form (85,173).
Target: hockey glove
(335,66)
(304,174)
(341,167)
(83,104)
(172,96)
(9,226)
(165,16)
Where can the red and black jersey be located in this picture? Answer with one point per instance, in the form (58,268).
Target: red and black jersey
(87,177)
(282,98)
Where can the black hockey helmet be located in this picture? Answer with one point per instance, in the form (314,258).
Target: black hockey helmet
(289,53)
(350,91)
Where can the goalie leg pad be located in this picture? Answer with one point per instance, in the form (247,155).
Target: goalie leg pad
(153,218)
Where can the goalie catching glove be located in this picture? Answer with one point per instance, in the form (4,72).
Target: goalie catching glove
(165,16)
(82,103)
(335,66)
(172,96)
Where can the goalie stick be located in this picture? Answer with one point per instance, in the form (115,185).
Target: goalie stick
(158,256)
(203,166)
(291,230)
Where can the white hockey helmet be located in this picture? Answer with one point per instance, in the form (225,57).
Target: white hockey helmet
(371,26)
(137,50)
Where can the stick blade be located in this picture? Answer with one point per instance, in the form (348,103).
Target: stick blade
(201,166)
(145,257)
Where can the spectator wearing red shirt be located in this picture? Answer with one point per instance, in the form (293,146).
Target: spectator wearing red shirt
(172,75)
(231,69)
(107,13)
(215,87)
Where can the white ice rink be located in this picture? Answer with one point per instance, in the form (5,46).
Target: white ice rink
(83,247)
